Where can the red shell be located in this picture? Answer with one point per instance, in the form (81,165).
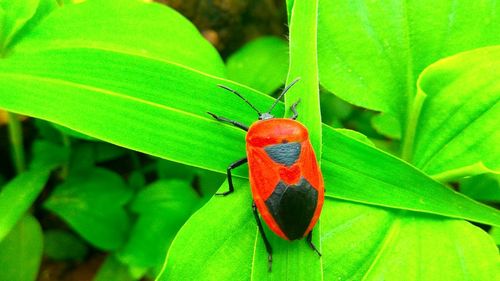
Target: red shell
(265,173)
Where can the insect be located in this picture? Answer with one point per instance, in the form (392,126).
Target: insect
(286,182)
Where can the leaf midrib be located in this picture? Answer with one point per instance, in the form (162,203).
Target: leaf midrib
(122,52)
(98,90)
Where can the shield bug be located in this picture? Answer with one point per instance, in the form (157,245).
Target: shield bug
(286,182)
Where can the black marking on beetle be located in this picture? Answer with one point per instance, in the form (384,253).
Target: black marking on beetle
(285,153)
(293,206)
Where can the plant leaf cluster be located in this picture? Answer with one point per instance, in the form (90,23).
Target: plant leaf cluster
(141,77)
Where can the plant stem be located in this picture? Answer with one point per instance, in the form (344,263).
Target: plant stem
(411,126)
(16,140)
(67,145)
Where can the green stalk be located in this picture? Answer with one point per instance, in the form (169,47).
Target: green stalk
(411,126)
(16,141)
(67,145)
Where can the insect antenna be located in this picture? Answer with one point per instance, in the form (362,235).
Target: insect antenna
(283,93)
(239,95)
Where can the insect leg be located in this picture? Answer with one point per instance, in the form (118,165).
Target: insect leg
(224,119)
(263,234)
(230,177)
(309,241)
(293,108)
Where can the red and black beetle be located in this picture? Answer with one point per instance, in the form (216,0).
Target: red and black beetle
(287,184)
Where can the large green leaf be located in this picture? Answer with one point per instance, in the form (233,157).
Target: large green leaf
(304,64)
(261,64)
(457,133)
(21,251)
(224,243)
(376,63)
(109,102)
(126,32)
(366,243)
(92,202)
(158,107)
(129,89)
(355,171)
(17,196)
(157,82)
(359,242)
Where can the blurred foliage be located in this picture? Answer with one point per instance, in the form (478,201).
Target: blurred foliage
(120,154)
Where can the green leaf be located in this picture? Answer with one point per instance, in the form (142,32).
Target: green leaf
(73,133)
(289,6)
(163,207)
(444,249)
(484,187)
(145,105)
(376,64)
(354,171)
(387,125)
(460,114)
(397,243)
(304,64)
(113,270)
(225,240)
(91,202)
(174,196)
(47,132)
(389,146)
(125,33)
(82,157)
(21,251)
(85,155)
(261,64)
(221,140)
(14,14)
(48,154)
(106,152)
(356,135)
(495,234)
(109,101)
(203,181)
(18,17)
(17,196)
(62,245)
